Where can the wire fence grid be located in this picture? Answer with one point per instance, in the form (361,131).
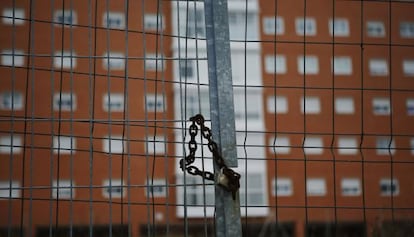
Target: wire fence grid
(96,96)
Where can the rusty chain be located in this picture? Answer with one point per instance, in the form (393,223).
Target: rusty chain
(227,178)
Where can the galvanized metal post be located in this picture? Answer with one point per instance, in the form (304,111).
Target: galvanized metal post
(227,220)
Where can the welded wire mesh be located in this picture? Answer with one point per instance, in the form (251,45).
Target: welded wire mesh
(95,98)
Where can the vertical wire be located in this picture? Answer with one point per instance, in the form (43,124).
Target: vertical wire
(13,78)
(108,78)
(52,114)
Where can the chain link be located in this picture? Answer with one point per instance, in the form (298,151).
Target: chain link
(232,179)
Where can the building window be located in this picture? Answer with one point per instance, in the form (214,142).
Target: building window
(113,188)
(282,187)
(198,192)
(11,100)
(310,105)
(64,102)
(347,145)
(381,106)
(280,145)
(410,106)
(66,18)
(344,105)
(192,22)
(13,16)
(12,57)
(275,64)
(65,59)
(305,26)
(385,146)
(350,187)
(113,61)
(342,65)
(11,144)
(407,29)
(315,187)
(408,68)
(113,20)
(277,104)
(156,145)
(308,65)
(187,69)
(389,187)
(113,144)
(378,67)
(9,189)
(64,145)
(237,25)
(197,103)
(273,25)
(155,103)
(339,27)
(113,102)
(63,189)
(154,63)
(313,146)
(153,22)
(255,190)
(156,188)
(375,29)
(412,145)
(247,106)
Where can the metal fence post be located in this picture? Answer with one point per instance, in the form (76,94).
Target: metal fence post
(227,220)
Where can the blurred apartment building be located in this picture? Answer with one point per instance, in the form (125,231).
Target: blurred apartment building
(94,96)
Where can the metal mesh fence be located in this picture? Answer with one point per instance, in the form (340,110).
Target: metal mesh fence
(96,96)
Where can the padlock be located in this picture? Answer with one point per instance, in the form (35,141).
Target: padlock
(223,180)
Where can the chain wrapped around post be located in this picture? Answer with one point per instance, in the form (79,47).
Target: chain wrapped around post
(227,178)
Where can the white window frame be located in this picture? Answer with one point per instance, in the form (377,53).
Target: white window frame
(273,25)
(113,188)
(155,103)
(253,112)
(339,27)
(408,67)
(351,187)
(279,145)
(113,61)
(393,183)
(113,20)
(188,27)
(277,104)
(196,194)
(12,57)
(9,189)
(378,67)
(316,187)
(381,106)
(187,69)
(67,18)
(375,29)
(65,188)
(64,145)
(69,99)
(344,105)
(150,22)
(341,65)
(17,19)
(156,188)
(407,29)
(410,106)
(308,65)
(310,105)
(113,102)
(385,146)
(66,59)
(282,187)
(11,100)
(237,24)
(114,144)
(160,143)
(275,64)
(313,145)
(253,189)
(347,145)
(6,146)
(154,63)
(305,26)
